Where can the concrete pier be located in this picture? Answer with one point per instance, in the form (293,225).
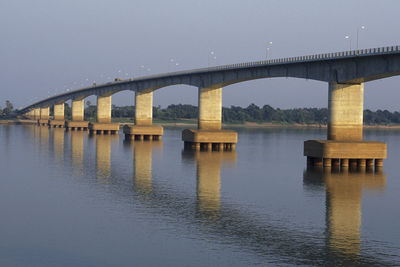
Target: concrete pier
(209,135)
(346,107)
(345,133)
(78,109)
(103,124)
(143,128)
(77,123)
(44,116)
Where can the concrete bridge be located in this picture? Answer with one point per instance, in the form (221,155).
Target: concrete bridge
(345,72)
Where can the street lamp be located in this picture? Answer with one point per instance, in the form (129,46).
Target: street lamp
(358,29)
(212,55)
(267,51)
(348,37)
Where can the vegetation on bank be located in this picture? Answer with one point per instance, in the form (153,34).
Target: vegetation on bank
(234,114)
(252,113)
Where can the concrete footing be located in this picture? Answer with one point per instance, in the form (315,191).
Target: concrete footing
(43,122)
(77,125)
(57,123)
(353,155)
(103,128)
(143,132)
(210,140)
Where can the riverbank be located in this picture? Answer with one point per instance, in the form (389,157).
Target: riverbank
(190,123)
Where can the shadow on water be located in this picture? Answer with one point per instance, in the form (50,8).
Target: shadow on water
(208,214)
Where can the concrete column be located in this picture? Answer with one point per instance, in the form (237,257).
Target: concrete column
(78,109)
(210,108)
(44,113)
(59,112)
(104,109)
(36,113)
(144,108)
(345,107)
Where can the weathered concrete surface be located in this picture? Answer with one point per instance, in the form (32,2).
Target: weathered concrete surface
(345,149)
(44,113)
(36,113)
(78,109)
(78,125)
(209,136)
(151,132)
(143,129)
(144,108)
(210,108)
(104,109)
(345,107)
(43,122)
(57,123)
(106,128)
(59,112)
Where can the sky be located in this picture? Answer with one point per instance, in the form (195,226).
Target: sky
(49,46)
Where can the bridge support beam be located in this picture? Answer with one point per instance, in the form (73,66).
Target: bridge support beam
(209,135)
(345,107)
(36,114)
(103,124)
(345,132)
(44,116)
(78,111)
(143,128)
(58,116)
(59,112)
(210,108)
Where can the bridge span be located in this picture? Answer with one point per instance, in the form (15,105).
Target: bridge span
(345,72)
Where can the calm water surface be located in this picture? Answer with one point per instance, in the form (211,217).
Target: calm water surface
(68,199)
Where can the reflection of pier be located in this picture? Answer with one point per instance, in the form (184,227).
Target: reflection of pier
(343,206)
(58,143)
(103,155)
(142,164)
(209,180)
(77,149)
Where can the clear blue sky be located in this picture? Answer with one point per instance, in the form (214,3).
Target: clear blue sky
(48,46)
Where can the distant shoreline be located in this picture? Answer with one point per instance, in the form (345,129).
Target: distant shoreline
(193,123)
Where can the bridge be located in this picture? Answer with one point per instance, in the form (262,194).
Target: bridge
(345,72)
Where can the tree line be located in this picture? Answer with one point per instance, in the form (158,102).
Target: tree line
(251,113)
(232,114)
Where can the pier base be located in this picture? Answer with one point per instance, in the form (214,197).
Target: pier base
(143,132)
(56,123)
(359,155)
(211,140)
(103,128)
(77,125)
(43,122)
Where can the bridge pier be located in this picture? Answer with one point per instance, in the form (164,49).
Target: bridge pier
(44,116)
(103,124)
(345,133)
(143,128)
(77,122)
(58,121)
(209,135)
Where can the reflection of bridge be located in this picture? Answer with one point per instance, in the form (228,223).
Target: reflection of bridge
(210,215)
(345,72)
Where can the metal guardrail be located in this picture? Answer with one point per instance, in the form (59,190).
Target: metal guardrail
(278,61)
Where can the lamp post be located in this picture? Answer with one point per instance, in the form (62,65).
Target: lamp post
(358,29)
(348,37)
(267,50)
(210,54)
